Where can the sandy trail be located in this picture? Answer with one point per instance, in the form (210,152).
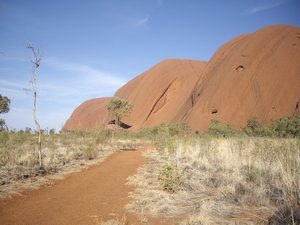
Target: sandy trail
(82,198)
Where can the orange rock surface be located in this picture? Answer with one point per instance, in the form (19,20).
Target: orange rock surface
(251,75)
(159,93)
(91,114)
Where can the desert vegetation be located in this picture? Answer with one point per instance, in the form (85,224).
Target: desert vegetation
(119,108)
(61,153)
(222,176)
(4,108)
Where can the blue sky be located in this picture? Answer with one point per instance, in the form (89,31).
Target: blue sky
(91,48)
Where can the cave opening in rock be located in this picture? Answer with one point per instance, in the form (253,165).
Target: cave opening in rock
(214,111)
(122,125)
(239,69)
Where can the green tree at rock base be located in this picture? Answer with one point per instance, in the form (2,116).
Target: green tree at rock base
(119,108)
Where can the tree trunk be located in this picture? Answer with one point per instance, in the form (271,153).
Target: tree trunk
(36,63)
(35,119)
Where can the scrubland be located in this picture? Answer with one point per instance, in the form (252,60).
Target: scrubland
(221,181)
(222,176)
(62,153)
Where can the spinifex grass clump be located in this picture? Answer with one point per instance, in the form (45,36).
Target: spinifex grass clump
(171,177)
(225,181)
(89,151)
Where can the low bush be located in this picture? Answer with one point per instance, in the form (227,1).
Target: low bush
(216,129)
(287,126)
(256,129)
(89,152)
(171,177)
(164,135)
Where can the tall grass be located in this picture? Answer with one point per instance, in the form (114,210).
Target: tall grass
(221,181)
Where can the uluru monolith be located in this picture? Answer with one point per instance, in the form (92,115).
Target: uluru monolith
(252,75)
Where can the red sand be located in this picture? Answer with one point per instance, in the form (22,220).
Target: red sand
(83,198)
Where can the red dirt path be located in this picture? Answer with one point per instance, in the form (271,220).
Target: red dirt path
(83,198)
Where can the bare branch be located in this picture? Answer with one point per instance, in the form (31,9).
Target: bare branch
(37,58)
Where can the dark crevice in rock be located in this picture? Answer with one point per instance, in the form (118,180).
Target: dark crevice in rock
(214,111)
(297,108)
(193,98)
(165,91)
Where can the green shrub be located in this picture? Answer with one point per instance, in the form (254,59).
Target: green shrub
(163,135)
(217,129)
(179,129)
(166,129)
(171,177)
(287,126)
(256,129)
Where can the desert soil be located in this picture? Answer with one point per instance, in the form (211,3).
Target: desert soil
(96,194)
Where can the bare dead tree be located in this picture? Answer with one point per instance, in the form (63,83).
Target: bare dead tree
(36,64)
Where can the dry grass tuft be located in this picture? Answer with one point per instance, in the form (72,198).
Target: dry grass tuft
(222,181)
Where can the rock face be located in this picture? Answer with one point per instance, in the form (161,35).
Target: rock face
(158,94)
(251,75)
(91,114)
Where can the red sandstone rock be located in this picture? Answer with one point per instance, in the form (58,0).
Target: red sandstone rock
(159,93)
(91,114)
(251,75)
